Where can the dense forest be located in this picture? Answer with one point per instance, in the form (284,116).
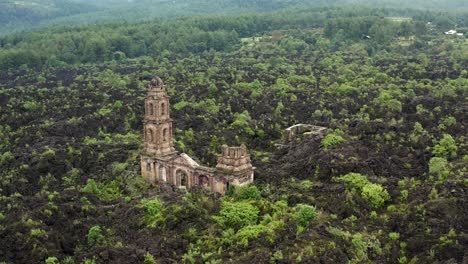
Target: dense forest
(388,183)
(33,14)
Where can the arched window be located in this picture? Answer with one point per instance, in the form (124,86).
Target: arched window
(182,177)
(150,109)
(150,135)
(148,167)
(203,181)
(163,109)
(152,173)
(165,134)
(162,174)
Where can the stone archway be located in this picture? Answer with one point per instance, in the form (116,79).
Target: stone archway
(204,181)
(152,173)
(150,135)
(182,178)
(164,135)
(162,173)
(151,109)
(148,167)
(149,173)
(163,109)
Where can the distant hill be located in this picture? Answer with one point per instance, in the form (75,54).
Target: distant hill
(32,14)
(439,5)
(34,11)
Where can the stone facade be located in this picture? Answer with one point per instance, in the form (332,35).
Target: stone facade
(161,163)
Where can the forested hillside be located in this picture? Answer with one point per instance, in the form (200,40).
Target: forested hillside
(87,44)
(387,184)
(33,14)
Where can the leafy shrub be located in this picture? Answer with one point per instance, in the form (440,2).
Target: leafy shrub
(404,195)
(306,184)
(247,193)
(105,192)
(375,194)
(391,208)
(449,121)
(433,195)
(237,215)
(119,56)
(353,180)
(95,236)
(331,140)
(89,141)
(52,260)
(104,111)
(446,148)
(149,259)
(119,167)
(305,213)
(154,211)
(249,232)
(91,187)
(37,232)
(386,100)
(439,167)
(68,260)
(6,157)
(394,236)
(90,261)
(117,104)
(277,256)
(31,106)
(345,89)
(359,247)
(48,152)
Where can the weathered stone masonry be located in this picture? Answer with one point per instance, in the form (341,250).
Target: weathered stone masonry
(161,163)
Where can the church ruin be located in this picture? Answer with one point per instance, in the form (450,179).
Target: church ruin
(161,163)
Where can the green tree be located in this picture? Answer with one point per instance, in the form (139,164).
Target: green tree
(149,259)
(95,236)
(237,215)
(154,211)
(247,193)
(439,167)
(305,213)
(373,193)
(446,147)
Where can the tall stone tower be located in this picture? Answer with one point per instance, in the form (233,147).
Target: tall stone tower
(157,123)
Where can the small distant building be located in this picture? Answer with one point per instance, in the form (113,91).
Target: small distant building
(298,130)
(453,32)
(161,163)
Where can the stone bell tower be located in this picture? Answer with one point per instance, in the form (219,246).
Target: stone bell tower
(157,122)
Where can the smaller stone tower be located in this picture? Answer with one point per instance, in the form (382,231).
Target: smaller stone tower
(234,164)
